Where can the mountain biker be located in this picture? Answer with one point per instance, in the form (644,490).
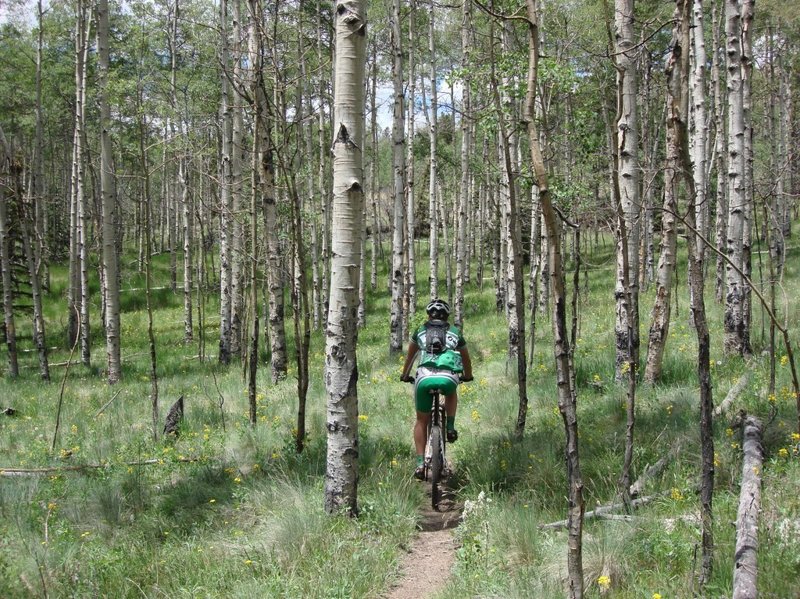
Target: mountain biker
(443,357)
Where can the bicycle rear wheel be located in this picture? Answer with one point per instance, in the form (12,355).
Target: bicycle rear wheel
(437,464)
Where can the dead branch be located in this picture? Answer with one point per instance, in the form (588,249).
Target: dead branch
(108,403)
(733,393)
(653,471)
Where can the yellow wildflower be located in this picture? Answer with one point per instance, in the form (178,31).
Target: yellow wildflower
(783,452)
(604,581)
(656,595)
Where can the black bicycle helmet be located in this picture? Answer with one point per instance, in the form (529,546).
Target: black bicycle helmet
(438,309)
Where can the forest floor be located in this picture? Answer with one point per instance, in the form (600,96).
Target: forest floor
(426,568)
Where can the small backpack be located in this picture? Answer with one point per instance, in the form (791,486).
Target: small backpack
(436,336)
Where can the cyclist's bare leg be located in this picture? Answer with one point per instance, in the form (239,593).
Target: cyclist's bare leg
(421,431)
(451,404)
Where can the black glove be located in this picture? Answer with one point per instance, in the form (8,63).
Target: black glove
(466,379)
(406,378)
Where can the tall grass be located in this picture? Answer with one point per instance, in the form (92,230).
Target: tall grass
(233,511)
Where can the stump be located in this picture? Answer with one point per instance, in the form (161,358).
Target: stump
(174,418)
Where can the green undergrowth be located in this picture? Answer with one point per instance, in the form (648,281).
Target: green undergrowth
(226,510)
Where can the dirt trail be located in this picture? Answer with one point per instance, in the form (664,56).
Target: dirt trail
(426,568)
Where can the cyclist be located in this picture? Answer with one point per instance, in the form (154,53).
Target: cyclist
(443,357)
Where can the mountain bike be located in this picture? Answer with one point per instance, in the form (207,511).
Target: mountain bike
(435,448)
(435,463)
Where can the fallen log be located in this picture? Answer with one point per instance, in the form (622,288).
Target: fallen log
(603,511)
(83,467)
(733,393)
(745,567)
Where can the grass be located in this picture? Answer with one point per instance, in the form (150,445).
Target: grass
(244,516)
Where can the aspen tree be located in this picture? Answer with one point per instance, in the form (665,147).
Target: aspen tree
(677,98)
(183,184)
(7,167)
(567,398)
(462,264)
(238,160)
(398,160)
(341,374)
(410,271)
(627,138)
(734,341)
(747,60)
(109,202)
(720,151)
(225,214)
(26,219)
(374,172)
(433,181)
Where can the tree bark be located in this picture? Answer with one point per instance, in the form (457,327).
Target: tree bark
(341,375)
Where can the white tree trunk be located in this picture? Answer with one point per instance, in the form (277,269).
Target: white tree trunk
(628,182)
(433,241)
(410,289)
(398,137)
(109,201)
(567,399)
(734,341)
(720,143)
(225,216)
(374,172)
(6,168)
(341,373)
(238,160)
(462,264)
(676,75)
(699,125)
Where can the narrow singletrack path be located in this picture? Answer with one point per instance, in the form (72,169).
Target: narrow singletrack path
(426,567)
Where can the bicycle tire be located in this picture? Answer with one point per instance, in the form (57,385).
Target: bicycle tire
(437,464)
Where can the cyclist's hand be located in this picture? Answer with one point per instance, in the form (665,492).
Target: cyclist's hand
(406,378)
(466,379)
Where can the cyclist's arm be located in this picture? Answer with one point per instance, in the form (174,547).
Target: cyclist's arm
(467,374)
(413,348)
